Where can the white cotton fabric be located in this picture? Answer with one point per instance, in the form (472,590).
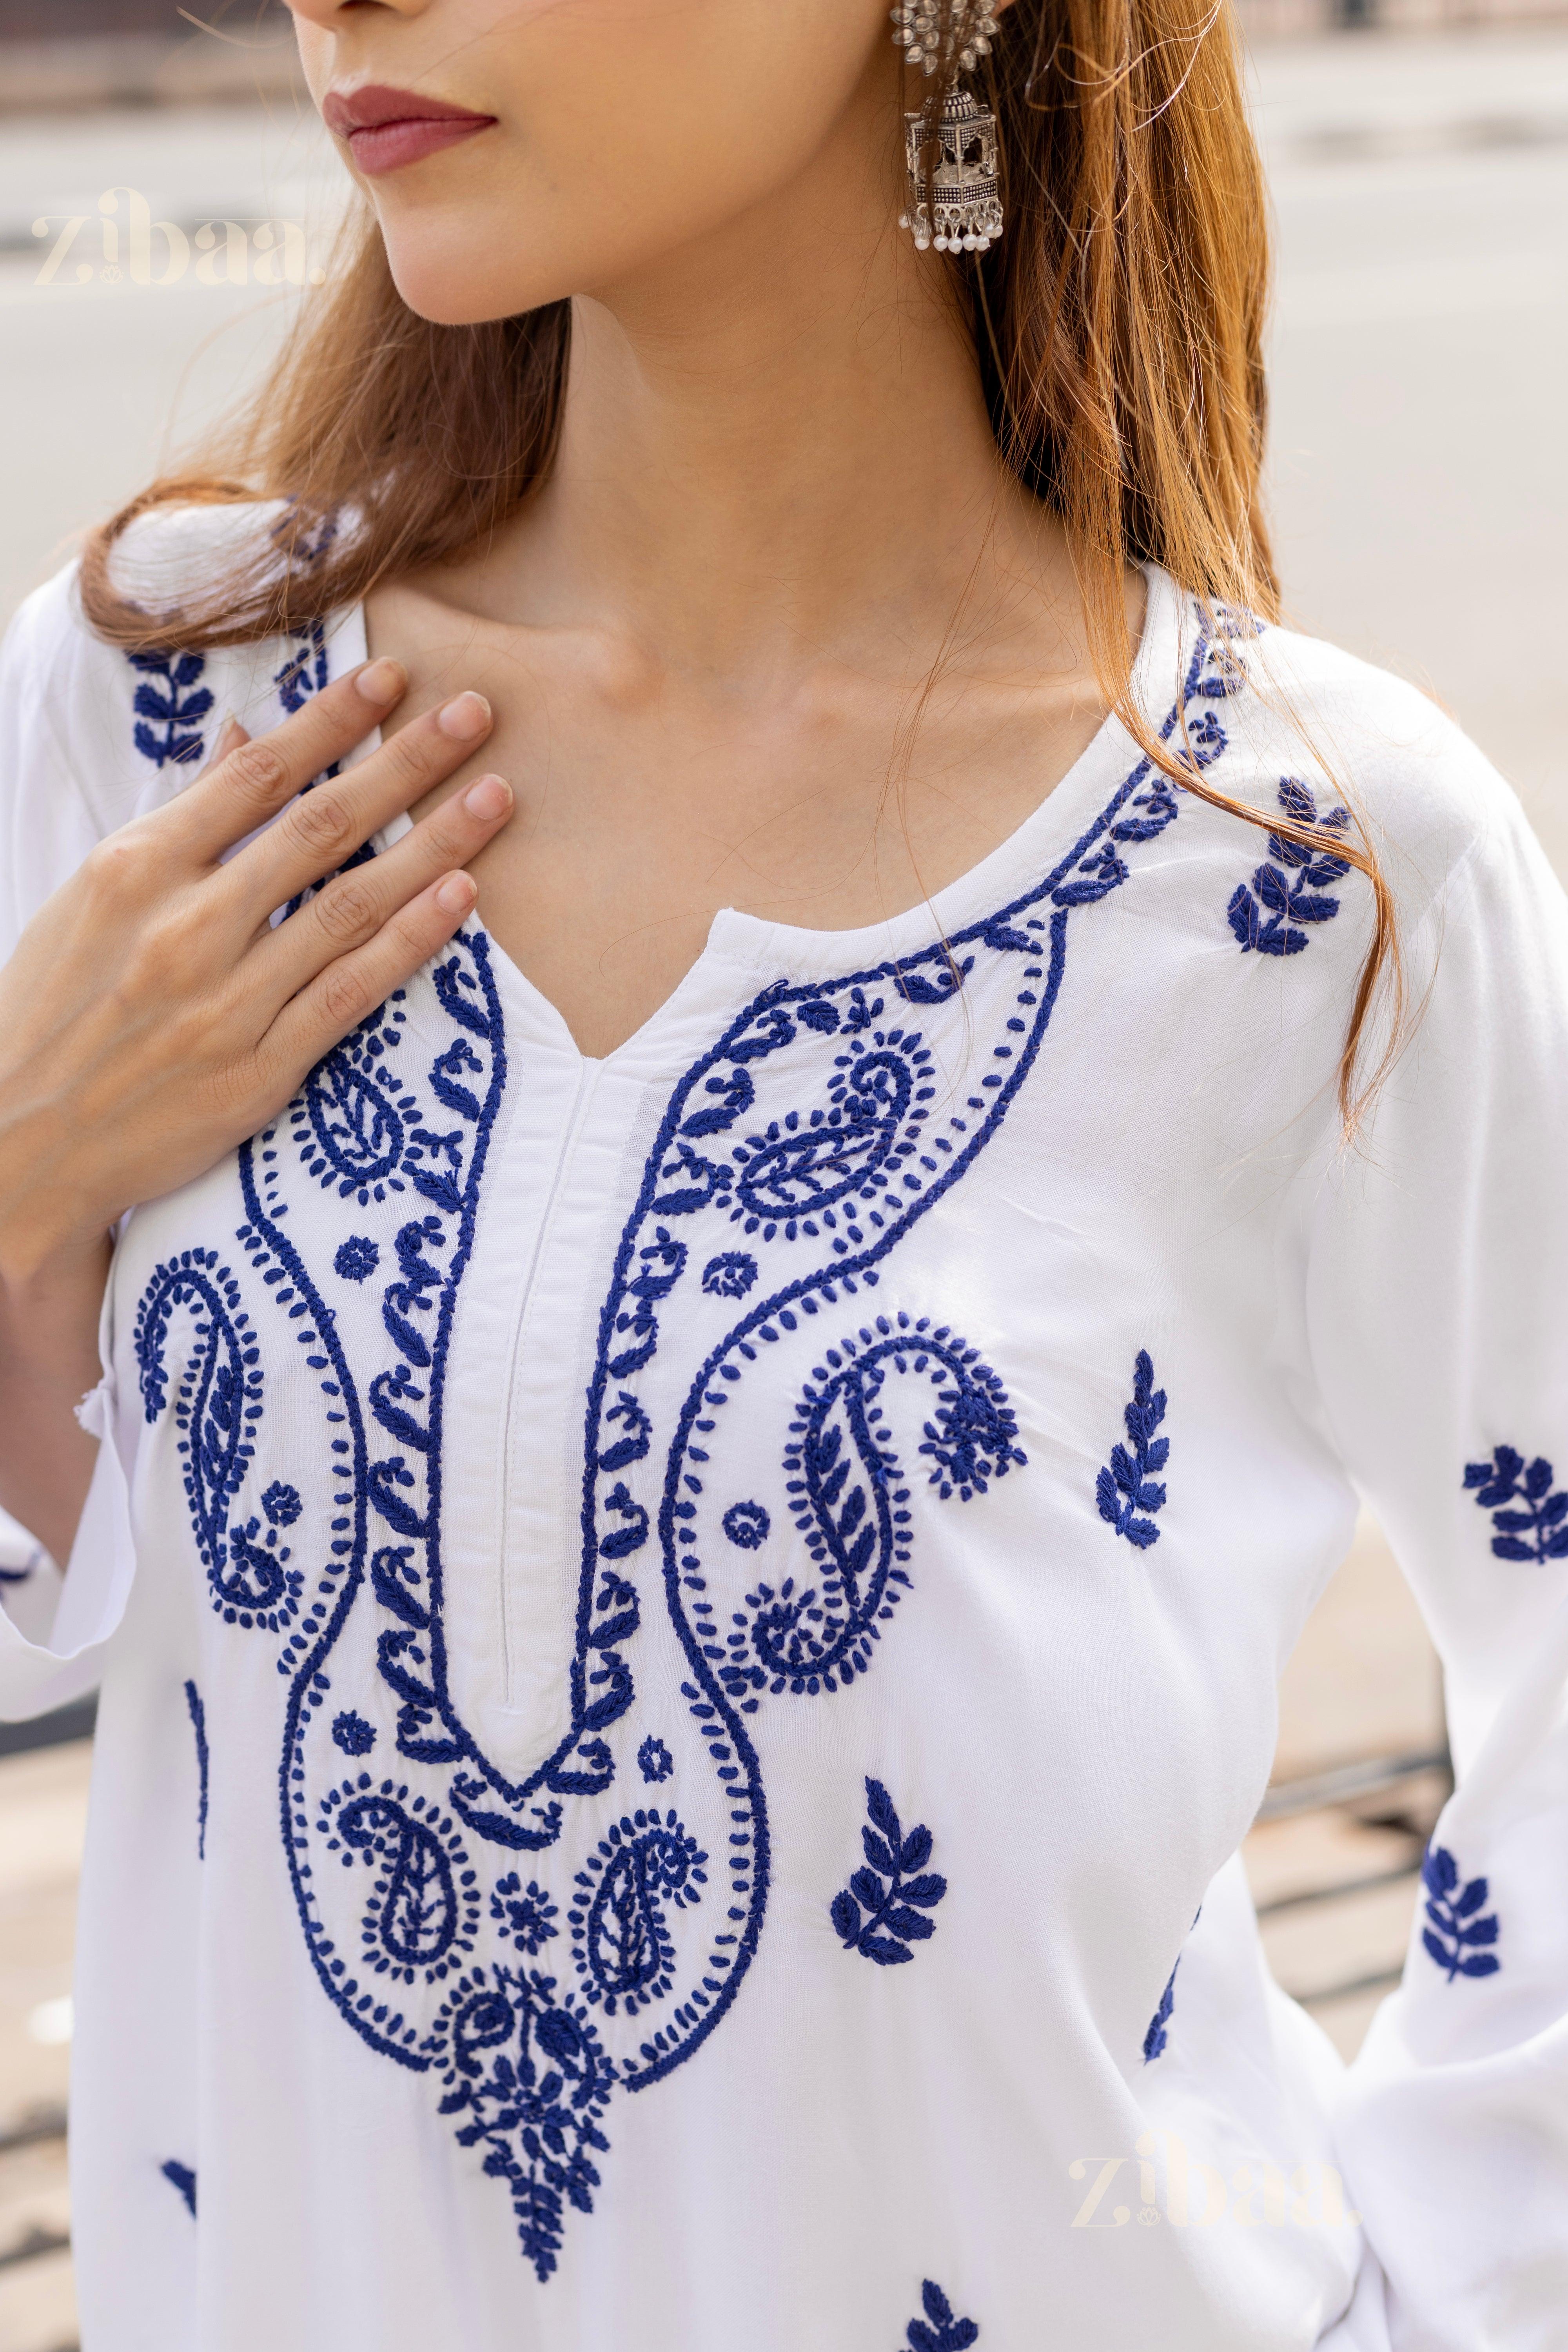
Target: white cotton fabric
(432,1427)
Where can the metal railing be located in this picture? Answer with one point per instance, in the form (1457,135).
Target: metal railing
(1347,1785)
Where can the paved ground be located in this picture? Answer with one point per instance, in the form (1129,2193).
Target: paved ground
(1420,474)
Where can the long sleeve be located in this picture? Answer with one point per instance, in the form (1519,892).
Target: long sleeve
(53,1631)
(1437,1315)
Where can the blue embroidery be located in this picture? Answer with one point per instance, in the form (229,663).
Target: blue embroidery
(748,1525)
(1127,1485)
(218,1408)
(1504,1480)
(818,1637)
(305,672)
(1156,2038)
(529,1917)
(387,1875)
(357,1258)
(352,1734)
(891,1887)
(939,2331)
(730,1274)
(422,1907)
(1455,1935)
(169,712)
(198,1715)
(655,1761)
(282,1504)
(535,2113)
(1289,890)
(180,2175)
(620,1935)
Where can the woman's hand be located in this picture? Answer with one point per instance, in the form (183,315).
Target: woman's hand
(152,1017)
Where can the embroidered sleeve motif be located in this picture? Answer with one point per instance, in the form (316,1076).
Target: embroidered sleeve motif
(1289,889)
(1127,1489)
(1456,1937)
(181,2176)
(1536,1530)
(170,705)
(941,2330)
(882,1911)
(199,1726)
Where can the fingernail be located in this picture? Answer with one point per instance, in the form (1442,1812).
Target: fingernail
(465,716)
(230,736)
(492,796)
(382,682)
(457,894)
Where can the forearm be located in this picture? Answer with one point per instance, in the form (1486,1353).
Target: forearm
(48,1360)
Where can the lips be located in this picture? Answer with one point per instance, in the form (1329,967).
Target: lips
(387,128)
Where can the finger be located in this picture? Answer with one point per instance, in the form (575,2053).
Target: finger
(231,735)
(353,907)
(252,780)
(354,984)
(324,827)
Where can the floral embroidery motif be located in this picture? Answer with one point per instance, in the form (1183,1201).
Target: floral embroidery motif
(352,1734)
(356,1259)
(748,1525)
(170,706)
(730,1274)
(939,2330)
(1504,1480)
(388,1875)
(532,2076)
(1128,1486)
(891,1890)
(529,1919)
(1455,1937)
(180,2175)
(1288,891)
(198,1715)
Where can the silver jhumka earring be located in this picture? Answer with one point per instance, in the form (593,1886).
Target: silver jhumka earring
(961,210)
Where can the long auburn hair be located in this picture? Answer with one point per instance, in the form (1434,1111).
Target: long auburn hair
(1118,328)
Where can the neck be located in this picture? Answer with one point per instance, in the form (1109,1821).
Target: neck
(776,438)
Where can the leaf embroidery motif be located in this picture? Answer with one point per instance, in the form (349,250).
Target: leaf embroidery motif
(941,2330)
(1545,1519)
(1456,1937)
(882,1910)
(1289,890)
(1127,1489)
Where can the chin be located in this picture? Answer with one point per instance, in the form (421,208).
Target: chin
(464,280)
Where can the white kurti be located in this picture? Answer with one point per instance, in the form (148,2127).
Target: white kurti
(687,1640)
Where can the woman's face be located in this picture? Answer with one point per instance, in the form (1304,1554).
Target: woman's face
(600,135)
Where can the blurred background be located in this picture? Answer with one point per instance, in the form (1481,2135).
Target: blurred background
(166,198)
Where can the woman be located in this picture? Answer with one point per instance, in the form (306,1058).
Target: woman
(703,1468)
